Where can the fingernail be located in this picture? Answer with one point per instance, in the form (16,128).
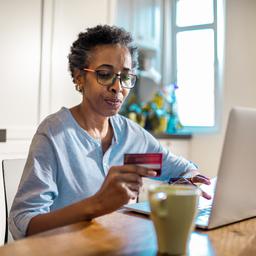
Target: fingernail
(152,173)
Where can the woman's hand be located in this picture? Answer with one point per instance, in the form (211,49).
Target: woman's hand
(121,184)
(199,178)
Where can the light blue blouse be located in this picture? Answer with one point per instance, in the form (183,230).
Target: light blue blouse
(65,165)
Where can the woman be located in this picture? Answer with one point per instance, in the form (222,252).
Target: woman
(74,169)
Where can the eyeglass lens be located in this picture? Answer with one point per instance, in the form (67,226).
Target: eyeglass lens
(108,78)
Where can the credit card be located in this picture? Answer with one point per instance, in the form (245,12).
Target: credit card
(149,160)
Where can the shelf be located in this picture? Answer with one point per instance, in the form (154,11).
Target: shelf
(181,136)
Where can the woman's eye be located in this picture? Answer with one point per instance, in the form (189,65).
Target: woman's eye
(105,74)
(125,77)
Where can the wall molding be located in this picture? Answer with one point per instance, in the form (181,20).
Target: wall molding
(45,82)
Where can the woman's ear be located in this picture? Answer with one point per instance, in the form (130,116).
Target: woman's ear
(78,80)
(77,76)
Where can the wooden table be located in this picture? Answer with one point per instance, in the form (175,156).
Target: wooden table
(123,233)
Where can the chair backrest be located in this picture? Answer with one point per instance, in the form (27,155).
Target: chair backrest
(12,171)
(3,211)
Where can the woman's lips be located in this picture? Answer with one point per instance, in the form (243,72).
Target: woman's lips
(116,103)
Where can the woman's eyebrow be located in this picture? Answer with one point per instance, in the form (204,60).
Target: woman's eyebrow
(112,67)
(105,66)
(127,69)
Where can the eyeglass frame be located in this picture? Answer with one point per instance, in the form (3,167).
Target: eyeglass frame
(114,80)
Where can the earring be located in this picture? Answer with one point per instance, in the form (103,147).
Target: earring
(78,88)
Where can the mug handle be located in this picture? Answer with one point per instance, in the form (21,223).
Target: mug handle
(159,201)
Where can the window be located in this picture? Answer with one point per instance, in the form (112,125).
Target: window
(183,36)
(194,63)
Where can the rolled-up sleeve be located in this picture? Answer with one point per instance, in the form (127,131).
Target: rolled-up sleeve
(37,189)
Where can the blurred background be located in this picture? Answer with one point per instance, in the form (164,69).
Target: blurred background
(197,61)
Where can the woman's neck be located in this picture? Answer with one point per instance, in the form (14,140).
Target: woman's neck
(97,126)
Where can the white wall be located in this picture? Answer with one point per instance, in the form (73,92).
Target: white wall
(239,87)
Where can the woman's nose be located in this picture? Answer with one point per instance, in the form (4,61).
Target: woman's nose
(117,86)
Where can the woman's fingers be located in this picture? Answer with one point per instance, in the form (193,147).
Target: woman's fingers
(131,183)
(206,195)
(132,178)
(200,179)
(131,190)
(130,168)
(133,187)
(128,178)
(204,180)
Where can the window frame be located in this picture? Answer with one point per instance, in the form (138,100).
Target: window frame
(173,77)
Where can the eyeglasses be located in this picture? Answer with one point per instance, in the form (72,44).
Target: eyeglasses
(108,78)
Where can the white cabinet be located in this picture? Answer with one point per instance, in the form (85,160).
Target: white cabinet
(20,29)
(36,36)
(143,18)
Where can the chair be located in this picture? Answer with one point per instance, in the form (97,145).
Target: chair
(11,171)
(3,211)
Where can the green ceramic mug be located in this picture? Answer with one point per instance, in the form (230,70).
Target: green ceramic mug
(173,211)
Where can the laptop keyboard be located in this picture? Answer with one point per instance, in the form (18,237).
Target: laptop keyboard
(202,217)
(204,211)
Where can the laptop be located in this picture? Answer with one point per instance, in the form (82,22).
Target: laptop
(234,188)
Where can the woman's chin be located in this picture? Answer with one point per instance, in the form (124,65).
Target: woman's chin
(112,112)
